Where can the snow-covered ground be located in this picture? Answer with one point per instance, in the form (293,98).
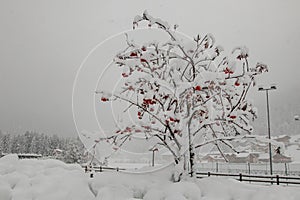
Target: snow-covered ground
(55,180)
(293,149)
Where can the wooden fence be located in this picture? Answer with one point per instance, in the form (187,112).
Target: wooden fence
(273,179)
(101,169)
(284,169)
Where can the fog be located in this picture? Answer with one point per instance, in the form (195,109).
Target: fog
(43,43)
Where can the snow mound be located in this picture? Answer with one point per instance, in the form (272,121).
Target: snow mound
(114,193)
(5,191)
(42,180)
(175,191)
(55,180)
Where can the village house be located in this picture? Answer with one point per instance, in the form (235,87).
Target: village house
(213,158)
(277,158)
(25,155)
(246,157)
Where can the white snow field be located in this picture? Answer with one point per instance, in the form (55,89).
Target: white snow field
(55,180)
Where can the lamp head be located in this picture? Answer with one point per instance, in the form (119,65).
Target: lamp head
(273,87)
(260,88)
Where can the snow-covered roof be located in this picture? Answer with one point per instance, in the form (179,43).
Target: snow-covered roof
(264,156)
(242,155)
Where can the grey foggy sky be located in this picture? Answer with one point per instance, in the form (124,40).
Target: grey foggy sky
(42,44)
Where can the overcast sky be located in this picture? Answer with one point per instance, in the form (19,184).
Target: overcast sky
(42,44)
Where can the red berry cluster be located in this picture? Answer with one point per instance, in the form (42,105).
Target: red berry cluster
(228,71)
(148,101)
(104,99)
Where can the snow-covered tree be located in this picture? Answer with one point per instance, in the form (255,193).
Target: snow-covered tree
(73,151)
(34,147)
(5,143)
(183,91)
(16,144)
(28,136)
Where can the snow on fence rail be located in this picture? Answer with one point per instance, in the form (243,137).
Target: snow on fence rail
(254,178)
(250,168)
(162,169)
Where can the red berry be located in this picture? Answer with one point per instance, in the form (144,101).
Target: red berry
(232,116)
(133,54)
(206,45)
(143,60)
(198,88)
(237,83)
(104,99)
(144,48)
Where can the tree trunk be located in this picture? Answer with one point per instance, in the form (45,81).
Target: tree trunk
(192,156)
(178,170)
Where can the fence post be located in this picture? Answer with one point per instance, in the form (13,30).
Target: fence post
(277,179)
(100,168)
(249,169)
(208,174)
(241,179)
(117,169)
(285,169)
(217,167)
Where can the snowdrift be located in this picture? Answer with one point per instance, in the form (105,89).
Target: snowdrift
(55,180)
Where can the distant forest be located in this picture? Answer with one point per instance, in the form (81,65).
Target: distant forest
(72,150)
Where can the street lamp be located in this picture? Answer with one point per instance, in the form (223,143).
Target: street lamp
(272,87)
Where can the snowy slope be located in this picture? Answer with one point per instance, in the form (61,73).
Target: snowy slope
(54,180)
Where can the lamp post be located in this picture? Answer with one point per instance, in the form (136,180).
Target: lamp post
(272,87)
